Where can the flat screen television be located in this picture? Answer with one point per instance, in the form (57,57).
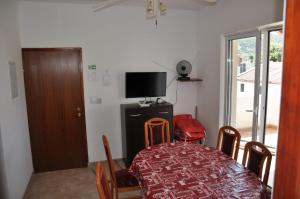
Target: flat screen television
(145,84)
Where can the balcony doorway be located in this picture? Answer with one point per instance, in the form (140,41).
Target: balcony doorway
(253,86)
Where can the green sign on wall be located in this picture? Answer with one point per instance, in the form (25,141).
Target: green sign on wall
(92,67)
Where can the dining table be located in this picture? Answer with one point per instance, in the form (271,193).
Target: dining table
(184,170)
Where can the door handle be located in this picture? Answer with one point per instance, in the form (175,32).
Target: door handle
(163,112)
(255,111)
(135,115)
(78,109)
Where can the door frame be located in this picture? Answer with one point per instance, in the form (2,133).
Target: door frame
(265,30)
(81,88)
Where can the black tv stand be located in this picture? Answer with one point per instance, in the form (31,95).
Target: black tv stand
(146,102)
(152,103)
(133,118)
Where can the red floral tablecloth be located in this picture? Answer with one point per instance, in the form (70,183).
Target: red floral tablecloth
(189,170)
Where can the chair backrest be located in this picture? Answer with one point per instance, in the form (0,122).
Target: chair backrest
(110,160)
(102,184)
(155,130)
(256,155)
(229,141)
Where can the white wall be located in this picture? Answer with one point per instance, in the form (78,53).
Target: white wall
(274,100)
(117,39)
(15,156)
(227,17)
(244,101)
(3,182)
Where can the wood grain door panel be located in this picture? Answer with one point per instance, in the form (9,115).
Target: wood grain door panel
(287,176)
(54,95)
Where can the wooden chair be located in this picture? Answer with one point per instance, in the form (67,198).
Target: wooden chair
(102,183)
(256,155)
(121,180)
(229,141)
(157,127)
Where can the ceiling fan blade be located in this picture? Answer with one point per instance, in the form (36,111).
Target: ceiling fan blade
(106,4)
(207,2)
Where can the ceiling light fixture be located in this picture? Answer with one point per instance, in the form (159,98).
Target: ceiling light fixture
(154,8)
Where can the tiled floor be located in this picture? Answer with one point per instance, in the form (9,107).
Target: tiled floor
(270,139)
(65,184)
(68,184)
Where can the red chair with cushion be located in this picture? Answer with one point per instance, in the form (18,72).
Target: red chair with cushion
(188,129)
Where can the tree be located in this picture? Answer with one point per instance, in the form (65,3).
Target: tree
(276,52)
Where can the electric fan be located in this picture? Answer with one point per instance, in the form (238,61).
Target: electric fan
(184,68)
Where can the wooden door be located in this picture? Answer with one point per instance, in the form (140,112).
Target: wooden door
(55,106)
(287,177)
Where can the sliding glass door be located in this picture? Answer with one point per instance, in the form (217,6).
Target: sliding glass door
(271,86)
(253,86)
(242,71)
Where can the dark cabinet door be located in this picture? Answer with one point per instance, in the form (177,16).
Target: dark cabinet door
(135,134)
(165,112)
(133,120)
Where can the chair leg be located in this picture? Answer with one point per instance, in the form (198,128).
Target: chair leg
(112,189)
(117,194)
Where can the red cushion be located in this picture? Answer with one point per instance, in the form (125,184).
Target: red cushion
(125,179)
(181,136)
(190,126)
(176,118)
(195,134)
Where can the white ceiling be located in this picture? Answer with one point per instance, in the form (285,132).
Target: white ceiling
(176,4)
(173,4)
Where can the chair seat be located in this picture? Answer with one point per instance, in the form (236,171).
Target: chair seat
(189,137)
(125,179)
